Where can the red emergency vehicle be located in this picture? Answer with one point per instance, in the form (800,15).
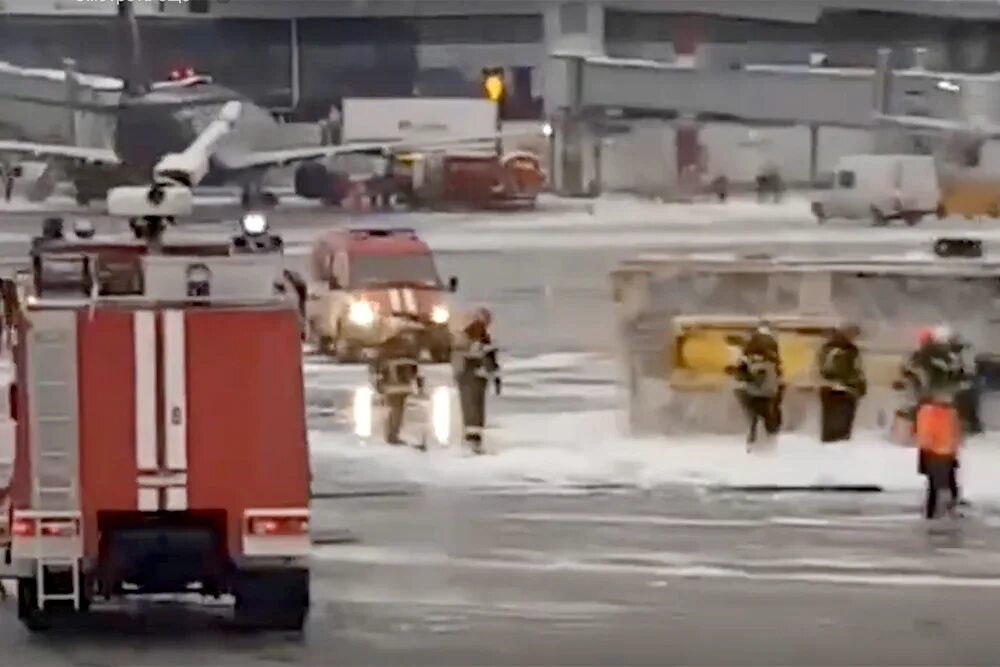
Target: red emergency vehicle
(474,180)
(363,277)
(161,437)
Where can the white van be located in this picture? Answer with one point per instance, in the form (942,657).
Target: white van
(881,188)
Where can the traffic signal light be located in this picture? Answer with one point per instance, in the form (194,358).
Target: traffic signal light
(494,86)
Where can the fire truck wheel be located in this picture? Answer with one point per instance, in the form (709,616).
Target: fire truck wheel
(345,353)
(33,618)
(272,599)
(440,354)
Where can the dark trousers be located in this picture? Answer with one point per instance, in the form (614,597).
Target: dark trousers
(837,411)
(766,409)
(941,473)
(396,408)
(472,400)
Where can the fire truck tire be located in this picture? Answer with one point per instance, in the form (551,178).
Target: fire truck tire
(272,599)
(33,618)
(344,352)
(440,354)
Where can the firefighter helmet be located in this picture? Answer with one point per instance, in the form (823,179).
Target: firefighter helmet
(925,336)
(483,315)
(942,333)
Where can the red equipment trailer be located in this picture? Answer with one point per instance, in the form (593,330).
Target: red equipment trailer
(161,438)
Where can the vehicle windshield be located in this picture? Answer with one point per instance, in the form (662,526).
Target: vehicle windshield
(368,270)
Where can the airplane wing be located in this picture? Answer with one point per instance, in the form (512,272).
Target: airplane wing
(274,158)
(936,126)
(75,153)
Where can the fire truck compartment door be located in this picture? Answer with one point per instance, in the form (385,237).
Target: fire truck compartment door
(241,277)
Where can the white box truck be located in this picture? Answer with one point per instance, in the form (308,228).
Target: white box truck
(881,188)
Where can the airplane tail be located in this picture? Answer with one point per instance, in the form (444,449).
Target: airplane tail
(136,77)
(882,84)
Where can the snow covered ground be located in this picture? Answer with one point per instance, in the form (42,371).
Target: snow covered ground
(556,428)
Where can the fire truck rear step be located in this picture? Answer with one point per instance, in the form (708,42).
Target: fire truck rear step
(43,565)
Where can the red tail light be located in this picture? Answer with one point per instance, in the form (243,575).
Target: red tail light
(47,528)
(23,528)
(60,529)
(278,525)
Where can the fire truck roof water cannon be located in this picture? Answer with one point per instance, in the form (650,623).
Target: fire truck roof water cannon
(153,452)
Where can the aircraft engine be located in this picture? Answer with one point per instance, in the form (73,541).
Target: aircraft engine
(313,181)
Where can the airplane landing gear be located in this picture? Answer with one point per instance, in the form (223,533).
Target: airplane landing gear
(254,196)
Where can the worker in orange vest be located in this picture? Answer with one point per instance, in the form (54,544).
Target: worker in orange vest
(938,427)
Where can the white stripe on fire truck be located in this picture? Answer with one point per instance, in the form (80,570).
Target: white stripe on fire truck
(174,390)
(144,336)
(177,498)
(395,301)
(162,480)
(149,499)
(411,301)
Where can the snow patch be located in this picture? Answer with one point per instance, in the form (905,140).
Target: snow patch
(586,448)
(623,210)
(847,572)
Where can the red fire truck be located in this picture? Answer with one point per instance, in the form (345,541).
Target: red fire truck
(153,452)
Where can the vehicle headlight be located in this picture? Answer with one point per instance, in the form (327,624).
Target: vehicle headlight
(254,224)
(363,398)
(441,414)
(440,315)
(361,313)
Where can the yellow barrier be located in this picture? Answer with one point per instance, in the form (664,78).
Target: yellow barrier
(971,199)
(702,352)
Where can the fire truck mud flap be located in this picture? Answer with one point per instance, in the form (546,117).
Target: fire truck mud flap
(271,597)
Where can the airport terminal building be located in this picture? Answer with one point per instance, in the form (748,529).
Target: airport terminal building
(303,55)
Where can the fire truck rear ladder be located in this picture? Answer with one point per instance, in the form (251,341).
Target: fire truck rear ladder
(55,484)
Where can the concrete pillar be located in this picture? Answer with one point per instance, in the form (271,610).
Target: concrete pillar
(577,28)
(813,154)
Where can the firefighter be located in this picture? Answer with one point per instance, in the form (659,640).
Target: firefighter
(475,364)
(395,370)
(760,388)
(967,397)
(910,386)
(769,182)
(11,310)
(937,374)
(842,383)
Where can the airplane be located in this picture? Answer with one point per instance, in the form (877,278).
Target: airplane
(156,119)
(956,140)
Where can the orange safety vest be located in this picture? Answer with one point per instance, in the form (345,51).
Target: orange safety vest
(938,431)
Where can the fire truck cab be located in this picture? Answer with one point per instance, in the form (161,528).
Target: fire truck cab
(160,430)
(362,277)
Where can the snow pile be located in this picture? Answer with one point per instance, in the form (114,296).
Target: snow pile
(557,428)
(586,449)
(616,210)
